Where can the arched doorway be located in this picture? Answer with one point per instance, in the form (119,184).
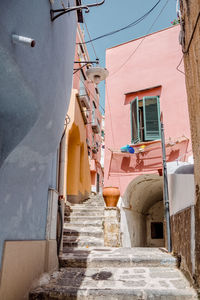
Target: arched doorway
(143,212)
(73,164)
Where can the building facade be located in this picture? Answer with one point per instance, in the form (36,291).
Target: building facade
(190,28)
(140,89)
(35,88)
(89,97)
(82,173)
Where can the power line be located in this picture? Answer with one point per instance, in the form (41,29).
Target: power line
(185,51)
(90,39)
(177,68)
(141,40)
(134,23)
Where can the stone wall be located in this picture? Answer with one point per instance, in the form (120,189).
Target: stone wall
(181,238)
(190,10)
(112,236)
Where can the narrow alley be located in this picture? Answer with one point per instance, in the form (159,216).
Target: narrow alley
(99,150)
(88,270)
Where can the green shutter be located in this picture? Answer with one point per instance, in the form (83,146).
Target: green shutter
(135,130)
(151,111)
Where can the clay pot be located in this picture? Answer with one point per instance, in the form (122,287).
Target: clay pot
(111,196)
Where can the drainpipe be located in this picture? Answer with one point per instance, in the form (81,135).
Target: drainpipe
(62,185)
(166,193)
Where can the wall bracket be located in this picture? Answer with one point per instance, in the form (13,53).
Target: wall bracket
(56,13)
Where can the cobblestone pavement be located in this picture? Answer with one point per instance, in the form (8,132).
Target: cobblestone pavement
(91,271)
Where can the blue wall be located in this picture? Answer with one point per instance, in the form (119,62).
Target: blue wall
(35,87)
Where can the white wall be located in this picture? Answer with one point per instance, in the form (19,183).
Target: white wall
(181,192)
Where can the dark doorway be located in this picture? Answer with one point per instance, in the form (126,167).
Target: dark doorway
(98,177)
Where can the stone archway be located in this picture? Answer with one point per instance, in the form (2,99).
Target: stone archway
(143,212)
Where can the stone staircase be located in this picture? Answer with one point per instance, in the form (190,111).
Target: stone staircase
(88,270)
(83,224)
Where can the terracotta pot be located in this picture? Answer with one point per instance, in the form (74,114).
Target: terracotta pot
(111,196)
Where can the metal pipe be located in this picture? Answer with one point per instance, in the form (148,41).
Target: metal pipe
(61,227)
(87,62)
(24,40)
(166,193)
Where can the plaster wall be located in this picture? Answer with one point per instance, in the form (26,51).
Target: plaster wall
(141,195)
(91,89)
(23,262)
(78,170)
(133,228)
(190,12)
(181,192)
(182,202)
(138,74)
(35,87)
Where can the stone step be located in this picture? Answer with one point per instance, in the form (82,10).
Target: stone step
(81,241)
(85,231)
(83,224)
(85,213)
(87,206)
(73,208)
(116,283)
(116,257)
(82,219)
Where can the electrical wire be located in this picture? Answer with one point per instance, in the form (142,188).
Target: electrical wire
(134,23)
(134,51)
(177,68)
(90,39)
(192,35)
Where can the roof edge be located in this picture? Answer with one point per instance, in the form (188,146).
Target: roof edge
(142,37)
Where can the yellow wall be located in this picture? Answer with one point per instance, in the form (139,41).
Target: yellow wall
(78,170)
(24,262)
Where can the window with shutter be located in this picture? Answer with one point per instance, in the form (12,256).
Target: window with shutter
(151,113)
(135,133)
(145,119)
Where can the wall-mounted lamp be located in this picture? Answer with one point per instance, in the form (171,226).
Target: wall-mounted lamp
(95,74)
(56,13)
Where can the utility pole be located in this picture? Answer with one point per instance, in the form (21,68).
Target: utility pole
(166,193)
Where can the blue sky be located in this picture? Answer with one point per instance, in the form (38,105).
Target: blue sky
(114,14)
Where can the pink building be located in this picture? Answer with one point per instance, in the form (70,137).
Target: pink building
(144,82)
(89,101)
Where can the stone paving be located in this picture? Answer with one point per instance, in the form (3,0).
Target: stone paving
(88,270)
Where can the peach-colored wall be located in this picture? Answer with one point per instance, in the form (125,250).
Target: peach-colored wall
(93,96)
(152,65)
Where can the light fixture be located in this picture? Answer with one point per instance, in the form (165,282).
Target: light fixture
(97,74)
(56,13)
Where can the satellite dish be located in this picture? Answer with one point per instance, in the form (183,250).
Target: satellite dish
(97,74)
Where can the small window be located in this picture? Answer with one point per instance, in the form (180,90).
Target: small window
(93,112)
(145,119)
(82,50)
(156,230)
